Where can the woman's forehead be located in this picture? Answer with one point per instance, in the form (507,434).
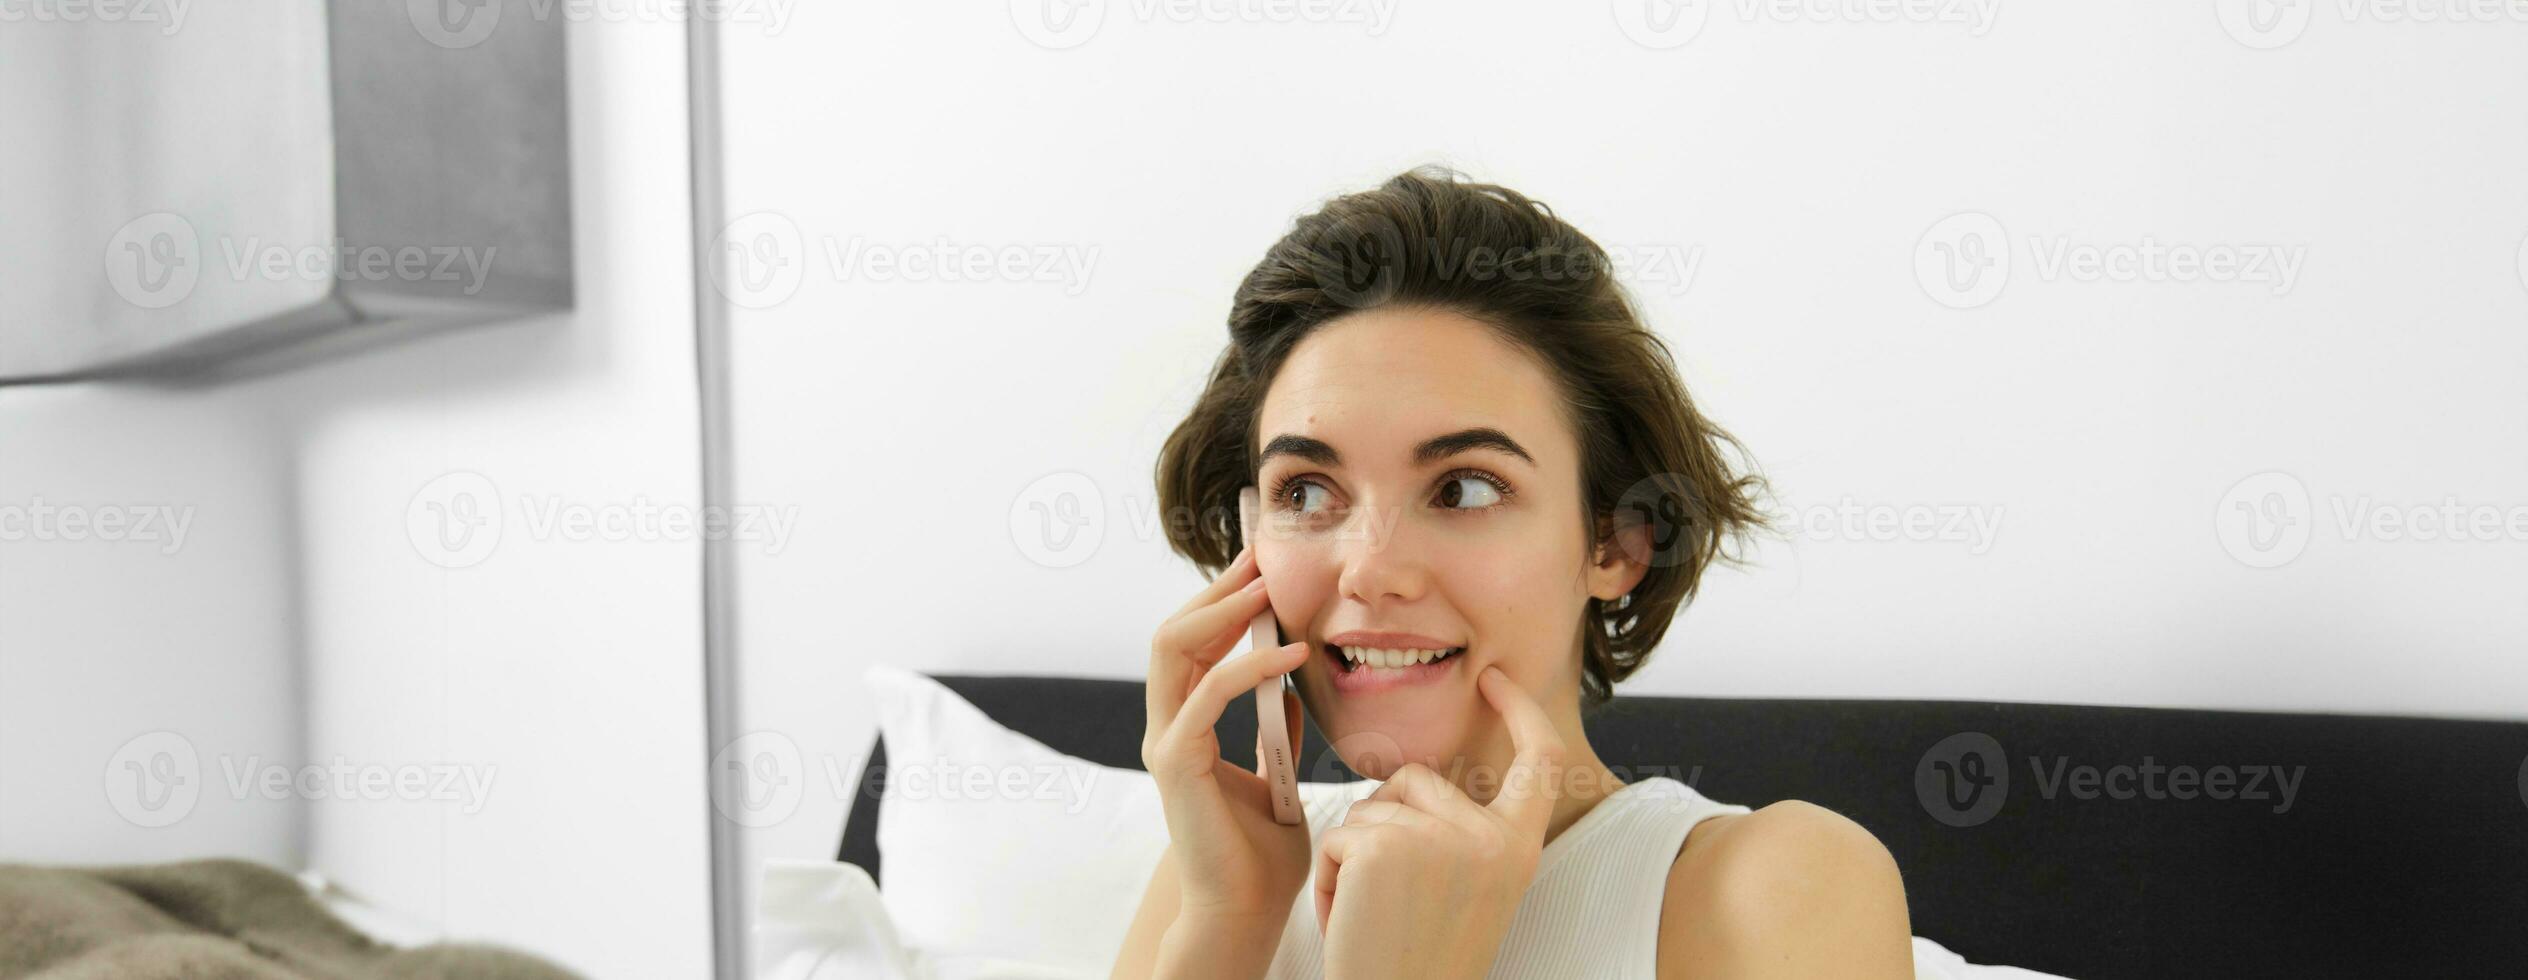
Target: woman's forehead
(1380,381)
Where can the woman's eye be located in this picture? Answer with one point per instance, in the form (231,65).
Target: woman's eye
(1469,493)
(1303,490)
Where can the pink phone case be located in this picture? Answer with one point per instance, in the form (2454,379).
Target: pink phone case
(1270,720)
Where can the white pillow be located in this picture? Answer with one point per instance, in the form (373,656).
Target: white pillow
(1045,864)
(1933,961)
(1037,882)
(823,920)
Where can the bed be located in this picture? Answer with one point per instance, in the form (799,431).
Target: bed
(2058,838)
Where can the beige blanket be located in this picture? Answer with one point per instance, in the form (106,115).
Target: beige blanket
(208,920)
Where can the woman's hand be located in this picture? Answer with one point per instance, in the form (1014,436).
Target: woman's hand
(1237,867)
(1422,881)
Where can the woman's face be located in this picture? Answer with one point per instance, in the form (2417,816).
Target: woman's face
(1420,478)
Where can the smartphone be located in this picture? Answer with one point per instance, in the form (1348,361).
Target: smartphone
(1271,722)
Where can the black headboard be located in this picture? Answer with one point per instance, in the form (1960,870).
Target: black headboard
(2404,850)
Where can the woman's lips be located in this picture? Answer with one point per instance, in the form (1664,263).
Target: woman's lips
(1350,679)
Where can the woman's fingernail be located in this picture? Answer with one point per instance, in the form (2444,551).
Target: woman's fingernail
(1254,586)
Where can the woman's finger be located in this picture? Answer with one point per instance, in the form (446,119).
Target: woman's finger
(1423,788)
(1170,673)
(1334,847)
(1207,628)
(1189,645)
(1372,811)
(1528,789)
(1230,579)
(1232,677)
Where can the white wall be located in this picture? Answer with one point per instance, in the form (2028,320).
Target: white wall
(146,618)
(2103,424)
(147,583)
(308,621)
(563,668)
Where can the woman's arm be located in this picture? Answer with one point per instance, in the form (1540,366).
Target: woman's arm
(1163,944)
(1792,890)
(1138,960)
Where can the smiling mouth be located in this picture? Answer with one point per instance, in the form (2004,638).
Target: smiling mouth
(1356,659)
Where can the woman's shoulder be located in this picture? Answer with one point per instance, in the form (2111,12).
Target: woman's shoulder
(1762,889)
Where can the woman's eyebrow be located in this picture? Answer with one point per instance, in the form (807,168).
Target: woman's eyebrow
(1318,451)
(1482,437)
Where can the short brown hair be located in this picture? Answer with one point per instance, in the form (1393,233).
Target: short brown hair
(1428,238)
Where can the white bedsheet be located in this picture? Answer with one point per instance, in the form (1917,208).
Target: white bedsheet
(822,920)
(383,925)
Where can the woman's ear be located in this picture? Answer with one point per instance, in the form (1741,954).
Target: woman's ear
(1622,558)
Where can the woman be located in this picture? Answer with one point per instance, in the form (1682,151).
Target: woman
(1486,494)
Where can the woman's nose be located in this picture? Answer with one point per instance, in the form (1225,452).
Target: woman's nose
(1382,558)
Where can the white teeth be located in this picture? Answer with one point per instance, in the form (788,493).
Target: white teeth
(1389,659)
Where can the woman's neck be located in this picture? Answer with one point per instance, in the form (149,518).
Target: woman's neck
(1580,782)
(1585,783)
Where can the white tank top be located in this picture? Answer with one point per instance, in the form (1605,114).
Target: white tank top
(1592,910)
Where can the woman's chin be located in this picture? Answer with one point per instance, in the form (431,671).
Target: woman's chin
(1377,754)
(1375,737)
